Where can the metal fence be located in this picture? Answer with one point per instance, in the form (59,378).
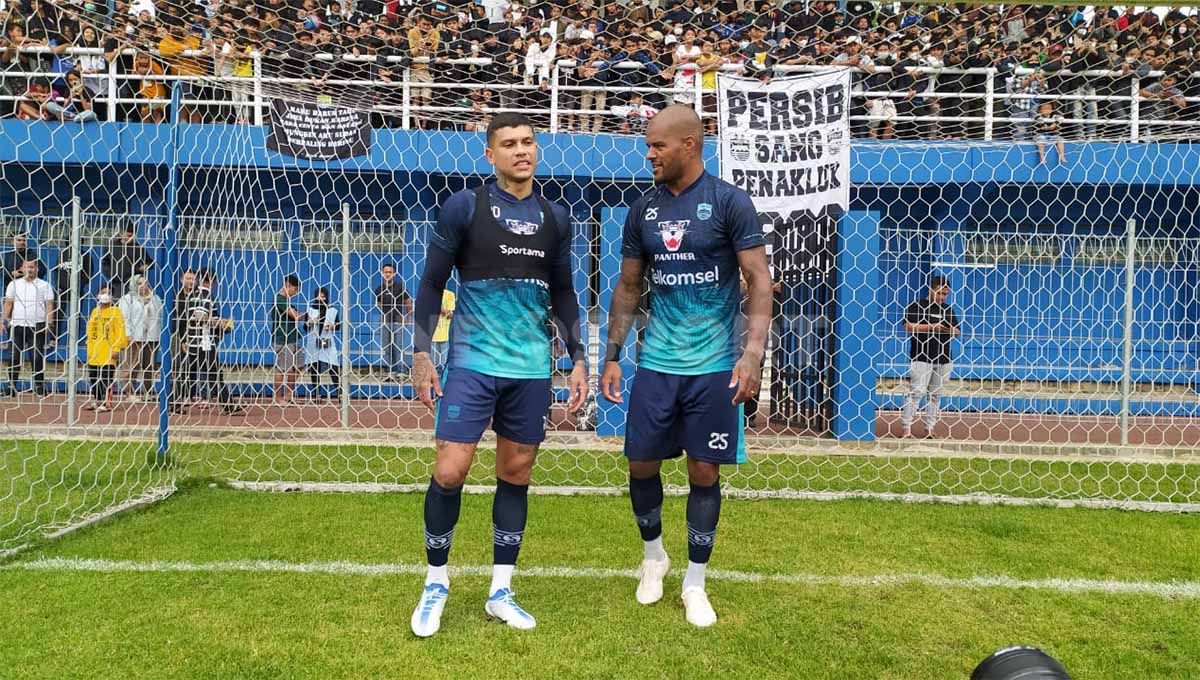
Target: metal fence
(992,112)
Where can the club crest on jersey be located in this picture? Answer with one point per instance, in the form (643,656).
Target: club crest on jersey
(521,227)
(704,211)
(672,233)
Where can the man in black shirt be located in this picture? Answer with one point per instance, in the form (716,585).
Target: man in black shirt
(183,363)
(932,324)
(124,258)
(202,332)
(14,260)
(62,288)
(394,308)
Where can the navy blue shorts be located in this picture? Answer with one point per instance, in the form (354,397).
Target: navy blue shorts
(670,414)
(516,407)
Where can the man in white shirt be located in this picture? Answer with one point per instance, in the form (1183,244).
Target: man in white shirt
(28,314)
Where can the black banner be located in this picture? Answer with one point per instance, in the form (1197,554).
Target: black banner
(317,132)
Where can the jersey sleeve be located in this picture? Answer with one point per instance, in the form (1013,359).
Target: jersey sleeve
(631,235)
(566,235)
(453,221)
(741,219)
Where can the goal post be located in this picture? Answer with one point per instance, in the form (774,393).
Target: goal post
(1074,375)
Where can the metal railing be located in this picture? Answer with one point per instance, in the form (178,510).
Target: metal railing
(250,96)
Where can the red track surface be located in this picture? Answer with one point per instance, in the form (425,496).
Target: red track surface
(409,415)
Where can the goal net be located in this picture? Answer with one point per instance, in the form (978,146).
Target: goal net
(1071,365)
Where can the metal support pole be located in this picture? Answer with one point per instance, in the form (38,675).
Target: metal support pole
(168,273)
(1135,106)
(989,105)
(345,372)
(1127,352)
(406,101)
(112,90)
(73,311)
(258,89)
(554,94)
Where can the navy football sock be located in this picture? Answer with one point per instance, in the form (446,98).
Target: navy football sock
(441,514)
(647,497)
(509,510)
(703,513)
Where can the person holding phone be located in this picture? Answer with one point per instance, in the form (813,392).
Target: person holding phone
(931,325)
(423,41)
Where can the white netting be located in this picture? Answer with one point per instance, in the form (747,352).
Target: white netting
(1075,376)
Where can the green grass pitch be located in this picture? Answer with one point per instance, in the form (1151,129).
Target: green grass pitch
(811,621)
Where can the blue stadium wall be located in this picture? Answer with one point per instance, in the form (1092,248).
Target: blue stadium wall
(932,187)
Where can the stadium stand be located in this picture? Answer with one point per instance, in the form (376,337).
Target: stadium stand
(924,71)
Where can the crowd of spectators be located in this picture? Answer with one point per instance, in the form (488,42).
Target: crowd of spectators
(673,42)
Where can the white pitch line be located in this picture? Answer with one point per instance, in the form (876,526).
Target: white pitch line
(1188,590)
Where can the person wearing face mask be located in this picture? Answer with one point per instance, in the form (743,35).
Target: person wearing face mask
(105,340)
(929,104)
(909,80)
(860,60)
(757,51)
(883,109)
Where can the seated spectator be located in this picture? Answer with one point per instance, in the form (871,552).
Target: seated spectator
(1023,94)
(480,101)
(171,48)
(33,106)
(1049,132)
(1164,100)
(73,103)
(152,92)
(636,116)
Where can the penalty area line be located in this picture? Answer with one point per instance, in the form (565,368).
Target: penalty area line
(1169,590)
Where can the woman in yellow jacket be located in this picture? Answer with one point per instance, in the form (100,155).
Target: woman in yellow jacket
(105,340)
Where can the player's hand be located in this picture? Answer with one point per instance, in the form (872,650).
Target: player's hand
(578,384)
(425,380)
(610,382)
(747,377)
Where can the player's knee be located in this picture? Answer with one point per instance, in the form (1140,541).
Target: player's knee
(644,469)
(450,474)
(515,470)
(701,473)
(514,462)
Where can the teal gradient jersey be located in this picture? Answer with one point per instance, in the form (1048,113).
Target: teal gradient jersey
(502,322)
(689,244)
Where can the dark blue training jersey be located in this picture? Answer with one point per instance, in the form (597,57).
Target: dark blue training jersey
(689,243)
(501,325)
